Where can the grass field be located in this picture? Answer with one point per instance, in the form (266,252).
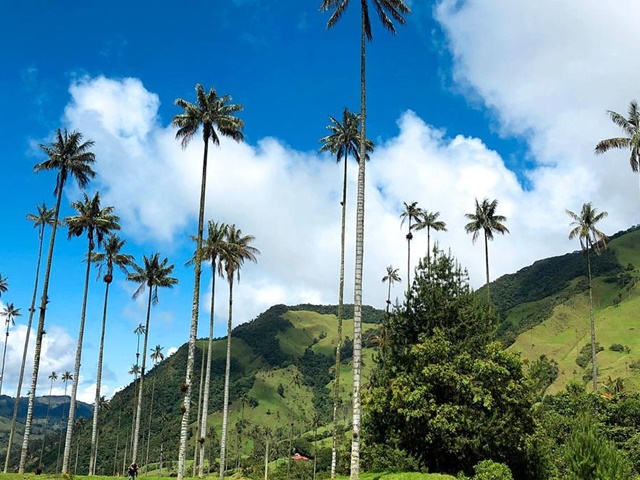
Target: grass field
(363,476)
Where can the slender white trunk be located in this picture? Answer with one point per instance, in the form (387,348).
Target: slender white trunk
(96,405)
(357,303)
(76,371)
(193,330)
(136,432)
(39,334)
(207,378)
(592,325)
(227,381)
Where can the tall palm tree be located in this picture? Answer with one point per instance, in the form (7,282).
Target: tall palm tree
(385,8)
(138,331)
(342,142)
(486,221)
(152,275)
(41,219)
(53,377)
(411,212)
(4,284)
(211,251)
(631,141)
(429,220)
(584,228)
(216,115)
(238,249)
(66,378)
(70,157)
(156,357)
(390,278)
(10,312)
(96,222)
(111,257)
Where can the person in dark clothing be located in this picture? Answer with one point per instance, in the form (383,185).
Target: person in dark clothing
(133,471)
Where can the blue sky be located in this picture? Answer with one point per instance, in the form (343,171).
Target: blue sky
(470,99)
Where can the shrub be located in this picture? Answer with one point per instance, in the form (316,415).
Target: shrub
(618,347)
(490,470)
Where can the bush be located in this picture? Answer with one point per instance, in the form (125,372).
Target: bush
(618,347)
(490,470)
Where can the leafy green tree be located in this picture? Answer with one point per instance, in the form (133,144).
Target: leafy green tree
(429,220)
(342,142)
(152,275)
(485,220)
(44,217)
(70,157)
(238,248)
(385,9)
(212,250)
(411,212)
(631,141)
(111,257)
(216,115)
(9,312)
(96,222)
(584,228)
(591,456)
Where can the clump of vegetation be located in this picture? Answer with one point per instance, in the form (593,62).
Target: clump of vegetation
(618,347)
(584,357)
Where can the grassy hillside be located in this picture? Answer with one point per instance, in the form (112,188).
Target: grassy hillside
(560,320)
(282,377)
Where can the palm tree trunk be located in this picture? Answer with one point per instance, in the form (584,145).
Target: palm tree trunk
(429,247)
(266,457)
(207,378)
(32,310)
(357,303)
(134,451)
(96,405)
(200,391)
(486,259)
(39,334)
(76,371)
(115,453)
(227,381)
(46,424)
(193,331)
(592,325)
(336,385)
(409,236)
(153,393)
(4,356)
(61,430)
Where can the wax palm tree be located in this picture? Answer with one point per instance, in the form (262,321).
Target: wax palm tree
(429,220)
(156,357)
(342,142)
(111,257)
(70,157)
(4,284)
(44,217)
(66,378)
(10,312)
(139,332)
(96,222)
(238,249)
(390,278)
(385,9)
(211,251)
(631,140)
(154,274)
(52,377)
(485,220)
(411,212)
(584,228)
(216,115)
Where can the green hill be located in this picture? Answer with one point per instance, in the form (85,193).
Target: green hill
(282,373)
(544,310)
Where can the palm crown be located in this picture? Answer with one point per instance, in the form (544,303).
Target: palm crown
(209,111)
(69,156)
(631,127)
(485,220)
(93,220)
(584,228)
(10,312)
(44,216)
(344,137)
(387,9)
(112,257)
(238,249)
(153,274)
(4,284)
